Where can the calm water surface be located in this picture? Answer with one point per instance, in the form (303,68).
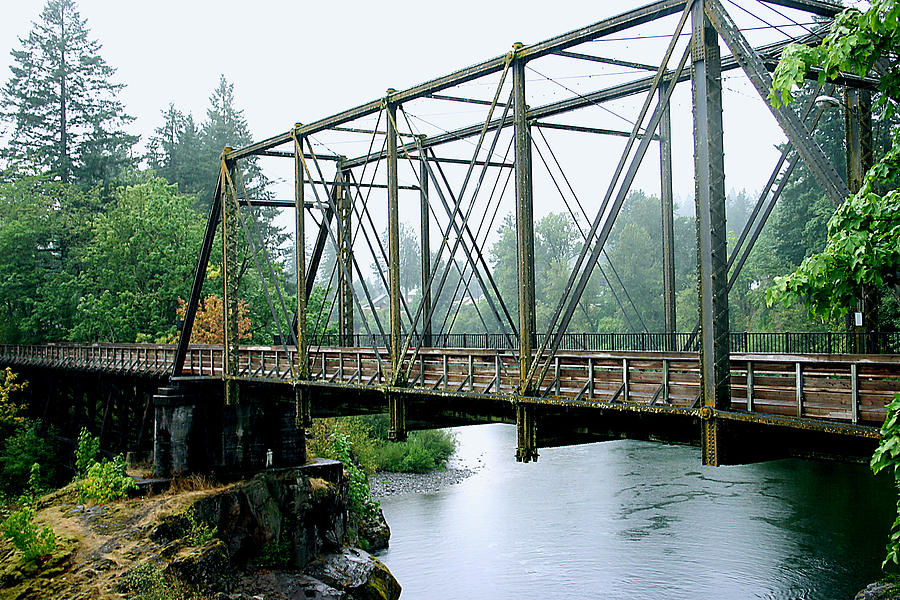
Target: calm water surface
(637,520)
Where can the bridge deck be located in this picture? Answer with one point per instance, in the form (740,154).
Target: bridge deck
(851,389)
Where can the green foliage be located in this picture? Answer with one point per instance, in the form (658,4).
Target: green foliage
(138,263)
(86,452)
(856,41)
(862,249)
(105,481)
(339,446)
(34,544)
(887,458)
(422,452)
(147,581)
(20,452)
(11,411)
(357,431)
(274,554)
(199,532)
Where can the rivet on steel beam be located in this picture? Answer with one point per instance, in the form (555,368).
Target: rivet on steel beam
(390,91)
(518,45)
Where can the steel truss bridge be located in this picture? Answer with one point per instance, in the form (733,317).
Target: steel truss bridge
(457,173)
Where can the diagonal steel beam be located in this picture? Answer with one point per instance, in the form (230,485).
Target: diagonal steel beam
(832,184)
(212,222)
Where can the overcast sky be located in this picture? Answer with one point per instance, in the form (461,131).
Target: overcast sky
(299,61)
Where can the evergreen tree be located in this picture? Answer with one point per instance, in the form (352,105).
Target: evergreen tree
(62,109)
(176,153)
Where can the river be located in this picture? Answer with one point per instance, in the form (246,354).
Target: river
(630,519)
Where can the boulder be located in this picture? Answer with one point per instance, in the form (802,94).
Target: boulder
(278,506)
(358,573)
(374,533)
(206,567)
(880,590)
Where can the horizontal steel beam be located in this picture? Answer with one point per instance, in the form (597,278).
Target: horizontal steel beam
(608,61)
(616,92)
(823,8)
(465,100)
(626,20)
(545,125)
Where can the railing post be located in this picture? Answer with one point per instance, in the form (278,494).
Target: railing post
(749,385)
(709,177)
(854,393)
(798,379)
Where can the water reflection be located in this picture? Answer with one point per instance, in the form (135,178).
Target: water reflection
(637,520)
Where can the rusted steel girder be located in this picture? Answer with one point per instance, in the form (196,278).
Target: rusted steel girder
(712,247)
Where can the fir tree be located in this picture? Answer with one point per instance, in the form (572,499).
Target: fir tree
(176,152)
(62,110)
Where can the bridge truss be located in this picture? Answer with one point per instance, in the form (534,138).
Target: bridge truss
(459,172)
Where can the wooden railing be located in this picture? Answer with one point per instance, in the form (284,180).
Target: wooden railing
(848,388)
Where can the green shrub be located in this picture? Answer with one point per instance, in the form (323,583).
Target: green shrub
(20,529)
(274,554)
(105,481)
(20,451)
(422,452)
(887,457)
(86,452)
(358,432)
(199,532)
(147,581)
(337,446)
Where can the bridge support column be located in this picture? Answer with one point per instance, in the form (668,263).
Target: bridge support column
(709,177)
(230,271)
(178,437)
(425,250)
(397,412)
(524,222)
(526,433)
(668,219)
(345,253)
(858,134)
(393,240)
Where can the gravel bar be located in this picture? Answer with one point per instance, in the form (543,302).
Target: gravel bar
(388,483)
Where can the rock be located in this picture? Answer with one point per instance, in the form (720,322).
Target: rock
(374,533)
(358,573)
(277,506)
(206,567)
(880,590)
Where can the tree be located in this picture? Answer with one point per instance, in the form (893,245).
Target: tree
(62,107)
(44,226)
(209,323)
(862,248)
(138,263)
(176,153)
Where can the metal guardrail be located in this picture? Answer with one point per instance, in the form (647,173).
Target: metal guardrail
(826,342)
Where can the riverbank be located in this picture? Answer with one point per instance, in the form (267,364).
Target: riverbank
(388,483)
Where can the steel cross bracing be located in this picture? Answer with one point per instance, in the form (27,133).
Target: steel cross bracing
(353,200)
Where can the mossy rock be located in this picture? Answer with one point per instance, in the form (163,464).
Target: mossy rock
(20,579)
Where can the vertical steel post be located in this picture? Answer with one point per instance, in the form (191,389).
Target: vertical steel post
(230,269)
(302,412)
(858,135)
(668,218)
(396,405)
(393,237)
(425,249)
(526,428)
(524,223)
(343,202)
(709,177)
